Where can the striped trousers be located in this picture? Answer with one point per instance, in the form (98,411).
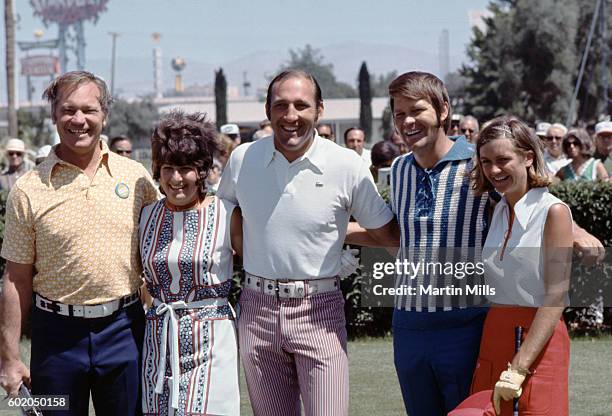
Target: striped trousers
(293,347)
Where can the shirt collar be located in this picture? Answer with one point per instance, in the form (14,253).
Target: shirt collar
(524,208)
(315,153)
(461,150)
(47,166)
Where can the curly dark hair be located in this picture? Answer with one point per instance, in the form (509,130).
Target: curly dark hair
(184,140)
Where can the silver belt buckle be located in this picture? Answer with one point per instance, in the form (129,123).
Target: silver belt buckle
(295,289)
(63,309)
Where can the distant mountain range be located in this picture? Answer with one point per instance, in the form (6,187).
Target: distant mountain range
(134,75)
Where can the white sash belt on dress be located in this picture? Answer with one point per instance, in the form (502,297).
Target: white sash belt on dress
(168,310)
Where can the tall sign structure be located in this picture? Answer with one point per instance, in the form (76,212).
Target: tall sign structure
(38,65)
(157,66)
(69,15)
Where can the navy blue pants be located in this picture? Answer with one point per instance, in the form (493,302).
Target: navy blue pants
(435,356)
(76,356)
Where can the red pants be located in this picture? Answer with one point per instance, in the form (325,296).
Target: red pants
(545,392)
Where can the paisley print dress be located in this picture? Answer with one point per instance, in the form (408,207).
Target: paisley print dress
(190,360)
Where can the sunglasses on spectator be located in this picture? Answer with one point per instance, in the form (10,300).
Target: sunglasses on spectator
(466,130)
(551,138)
(10,153)
(572,143)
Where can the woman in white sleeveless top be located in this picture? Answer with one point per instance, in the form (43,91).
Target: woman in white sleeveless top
(527,257)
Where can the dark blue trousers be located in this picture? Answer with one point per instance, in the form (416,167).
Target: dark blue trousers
(435,356)
(76,356)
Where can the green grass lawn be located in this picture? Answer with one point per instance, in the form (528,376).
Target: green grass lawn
(374,389)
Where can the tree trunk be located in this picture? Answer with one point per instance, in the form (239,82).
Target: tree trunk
(9,25)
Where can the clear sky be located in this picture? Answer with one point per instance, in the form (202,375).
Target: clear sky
(220,30)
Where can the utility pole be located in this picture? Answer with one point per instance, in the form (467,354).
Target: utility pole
(115,35)
(604,58)
(571,116)
(9,27)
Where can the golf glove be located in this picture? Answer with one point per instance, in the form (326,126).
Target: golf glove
(348,262)
(508,387)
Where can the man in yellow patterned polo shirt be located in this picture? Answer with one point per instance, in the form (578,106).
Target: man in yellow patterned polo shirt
(71,245)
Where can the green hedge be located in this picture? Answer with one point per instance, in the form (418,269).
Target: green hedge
(591,205)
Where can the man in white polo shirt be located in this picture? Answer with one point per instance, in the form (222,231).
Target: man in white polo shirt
(297,192)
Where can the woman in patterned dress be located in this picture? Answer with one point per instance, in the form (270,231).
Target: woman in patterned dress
(187,241)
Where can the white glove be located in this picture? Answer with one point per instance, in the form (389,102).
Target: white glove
(348,262)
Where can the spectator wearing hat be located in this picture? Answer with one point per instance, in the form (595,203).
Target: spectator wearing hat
(541,130)
(554,157)
(454,130)
(232,131)
(603,144)
(42,153)
(17,165)
(578,147)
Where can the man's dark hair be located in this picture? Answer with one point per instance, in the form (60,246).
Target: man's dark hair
(293,73)
(116,139)
(184,140)
(383,152)
(350,129)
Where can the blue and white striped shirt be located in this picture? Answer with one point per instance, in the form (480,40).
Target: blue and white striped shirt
(441,220)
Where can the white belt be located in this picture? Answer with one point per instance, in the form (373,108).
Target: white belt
(291,288)
(168,310)
(85,311)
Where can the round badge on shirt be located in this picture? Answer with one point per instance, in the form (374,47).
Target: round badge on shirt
(122,190)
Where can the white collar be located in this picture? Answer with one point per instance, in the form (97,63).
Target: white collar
(524,208)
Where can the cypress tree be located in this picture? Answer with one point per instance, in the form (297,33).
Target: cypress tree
(220,97)
(365,98)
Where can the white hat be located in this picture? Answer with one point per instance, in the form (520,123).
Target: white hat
(43,151)
(15,145)
(542,128)
(603,127)
(230,129)
(456,117)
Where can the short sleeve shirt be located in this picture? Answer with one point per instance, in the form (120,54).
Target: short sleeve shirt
(295,214)
(441,221)
(81,234)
